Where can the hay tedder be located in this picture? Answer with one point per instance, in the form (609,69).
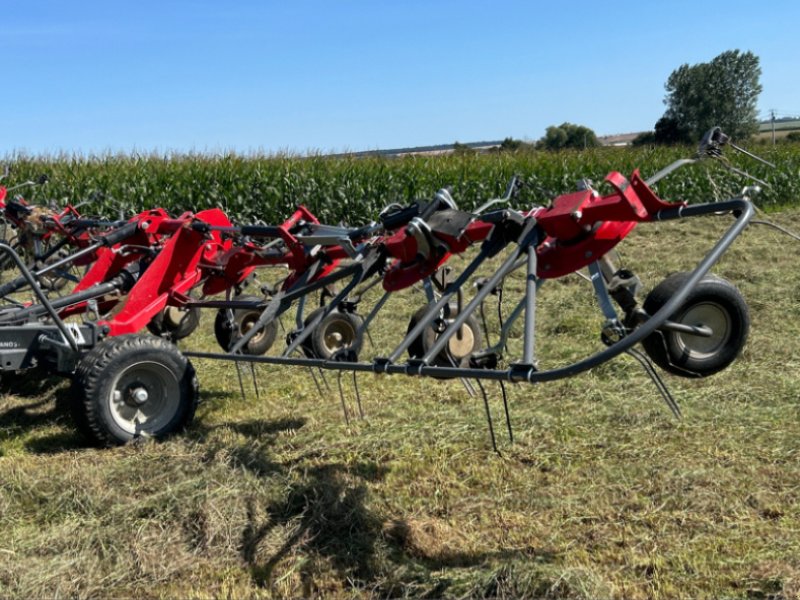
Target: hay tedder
(158,271)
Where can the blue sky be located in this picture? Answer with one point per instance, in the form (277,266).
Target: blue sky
(315,75)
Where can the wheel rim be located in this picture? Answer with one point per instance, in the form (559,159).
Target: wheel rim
(248,322)
(459,348)
(144,397)
(338,334)
(705,314)
(174,316)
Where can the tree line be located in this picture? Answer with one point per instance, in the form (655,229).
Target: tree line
(723,92)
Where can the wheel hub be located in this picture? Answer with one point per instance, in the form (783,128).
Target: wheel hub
(338,335)
(139,396)
(248,324)
(462,343)
(174,316)
(145,397)
(136,396)
(712,316)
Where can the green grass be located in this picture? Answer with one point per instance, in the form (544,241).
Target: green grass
(602,494)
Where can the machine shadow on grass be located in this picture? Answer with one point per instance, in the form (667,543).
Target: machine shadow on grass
(41,401)
(324,518)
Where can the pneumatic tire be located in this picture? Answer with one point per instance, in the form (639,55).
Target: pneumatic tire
(133,386)
(337,331)
(468,340)
(174,323)
(715,303)
(228,331)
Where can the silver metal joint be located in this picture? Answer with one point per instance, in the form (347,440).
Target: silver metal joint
(139,396)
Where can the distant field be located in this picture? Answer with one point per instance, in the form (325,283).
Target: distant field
(780,126)
(603,494)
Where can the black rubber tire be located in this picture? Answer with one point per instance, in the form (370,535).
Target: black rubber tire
(471,341)
(133,362)
(323,342)
(164,324)
(52,281)
(243,319)
(714,302)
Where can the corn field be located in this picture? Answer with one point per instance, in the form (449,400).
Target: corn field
(353,190)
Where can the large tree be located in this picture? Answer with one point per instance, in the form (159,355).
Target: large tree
(722,92)
(568,135)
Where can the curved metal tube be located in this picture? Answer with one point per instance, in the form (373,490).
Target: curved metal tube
(41,296)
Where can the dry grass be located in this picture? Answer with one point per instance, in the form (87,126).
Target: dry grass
(602,494)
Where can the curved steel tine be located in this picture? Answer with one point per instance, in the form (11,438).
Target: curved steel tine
(324,379)
(656,379)
(255,383)
(241,384)
(488,416)
(316,381)
(341,396)
(358,395)
(508,413)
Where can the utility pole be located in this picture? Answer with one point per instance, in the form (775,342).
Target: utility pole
(772,113)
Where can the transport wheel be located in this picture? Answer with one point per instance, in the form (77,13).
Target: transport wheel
(54,281)
(337,331)
(174,323)
(131,386)
(227,331)
(468,340)
(714,303)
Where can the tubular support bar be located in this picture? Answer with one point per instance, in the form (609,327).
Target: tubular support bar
(29,312)
(26,274)
(528,242)
(20,282)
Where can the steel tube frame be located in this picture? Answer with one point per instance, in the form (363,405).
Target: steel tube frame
(18,283)
(526,242)
(740,207)
(28,276)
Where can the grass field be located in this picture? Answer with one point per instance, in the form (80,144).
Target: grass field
(603,494)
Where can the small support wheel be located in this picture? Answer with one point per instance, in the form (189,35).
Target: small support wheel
(337,331)
(175,323)
(714,303)
(54,281)
(227,331)
(463,343)
(133,386)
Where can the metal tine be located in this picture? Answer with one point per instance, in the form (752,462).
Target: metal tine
(241,384)
(238,366)
(751,155)
(341,396)
(316,382)
(324,379)
(745,174)
(464,381)
(485,325)
(255,383)
(508,413)
(358,395)
(369,337)
(488,416)
(500,308)
(468,386)
(659,383)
